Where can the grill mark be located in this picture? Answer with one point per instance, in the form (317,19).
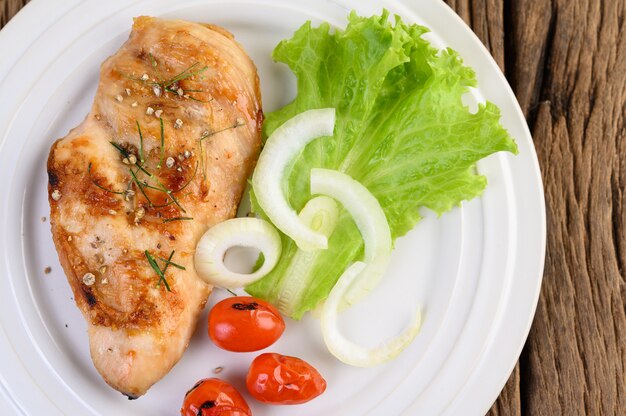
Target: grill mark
(53,178)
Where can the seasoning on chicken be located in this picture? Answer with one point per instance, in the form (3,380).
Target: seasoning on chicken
(164,154)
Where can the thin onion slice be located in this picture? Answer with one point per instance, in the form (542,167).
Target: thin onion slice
(281,147)
(349,352)
(320,214)
(370,220)
(242,232)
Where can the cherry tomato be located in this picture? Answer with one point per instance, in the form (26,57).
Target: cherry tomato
(278,379)
(244,324)
(211,396)
(225,411)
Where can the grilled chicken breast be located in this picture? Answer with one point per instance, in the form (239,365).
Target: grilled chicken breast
(163,155)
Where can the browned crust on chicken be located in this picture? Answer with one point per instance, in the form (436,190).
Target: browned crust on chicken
(114,196)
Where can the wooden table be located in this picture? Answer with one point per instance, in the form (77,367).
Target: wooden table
(566,61)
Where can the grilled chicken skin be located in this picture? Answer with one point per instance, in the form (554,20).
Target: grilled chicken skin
(173,133)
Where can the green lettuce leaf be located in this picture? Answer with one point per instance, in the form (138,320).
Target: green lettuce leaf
(402,131)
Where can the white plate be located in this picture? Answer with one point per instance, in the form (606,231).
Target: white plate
(476,270)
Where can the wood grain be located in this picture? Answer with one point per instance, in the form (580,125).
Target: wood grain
(566,62)
(8,9)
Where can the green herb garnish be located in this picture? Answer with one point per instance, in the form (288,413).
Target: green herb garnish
(154,66)
(157,269)
(171,202)
(162,144)
(177,219)
(141,159)
(201,146)
(213,133)
(100,186)
(169,261)
(139,185)
(187,73)
(195,172)
(165,84)
(160,187)
(120,149)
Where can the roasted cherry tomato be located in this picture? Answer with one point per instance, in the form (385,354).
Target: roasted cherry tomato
(278,379)
(244,324)
(225,411)
(211,396)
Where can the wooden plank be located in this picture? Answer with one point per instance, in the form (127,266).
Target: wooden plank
(566,63)
(8,9)
(576,352)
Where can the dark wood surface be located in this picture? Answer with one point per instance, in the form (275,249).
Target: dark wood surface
(566,62)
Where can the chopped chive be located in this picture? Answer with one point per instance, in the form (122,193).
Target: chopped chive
(170,262)
(231,292)
(142,184)
(140,142)
(199,100)
(213,133)
(181,74)
(187,73)
(100,186)
(157,270)
(141,168)
(154,66)
(177,219)
(202,159)
(162,144)
(174,200)
(138,183)
(195,172)
(126,154)
(120,149)
(165,84)
(156,188)
(169,193)
(138,79)
(171,202)
(168,89)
